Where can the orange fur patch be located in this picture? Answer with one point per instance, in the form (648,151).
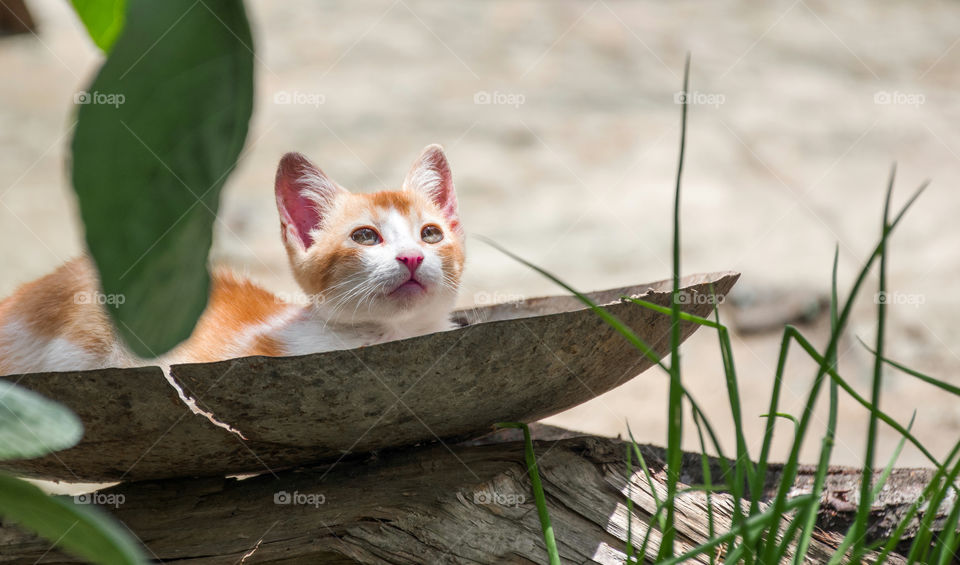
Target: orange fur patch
(63,304)
(235,304)
(265,345)
(319,274)
(397,200)
(452,257)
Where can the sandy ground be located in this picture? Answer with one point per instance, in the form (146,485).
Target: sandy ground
(800,107)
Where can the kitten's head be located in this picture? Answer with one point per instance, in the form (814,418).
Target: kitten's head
(388,256)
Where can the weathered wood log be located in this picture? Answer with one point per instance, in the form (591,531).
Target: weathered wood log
(837,505)
(432,504)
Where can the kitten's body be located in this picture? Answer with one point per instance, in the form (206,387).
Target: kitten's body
(393,281)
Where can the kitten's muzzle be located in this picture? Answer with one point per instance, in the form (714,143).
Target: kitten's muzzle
(411,260)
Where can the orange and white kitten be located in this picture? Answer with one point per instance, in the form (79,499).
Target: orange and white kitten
(375,267)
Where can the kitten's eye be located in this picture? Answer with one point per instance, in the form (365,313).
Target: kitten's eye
(431,234)
(365,236)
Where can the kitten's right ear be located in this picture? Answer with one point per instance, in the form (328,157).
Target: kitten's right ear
(304,195)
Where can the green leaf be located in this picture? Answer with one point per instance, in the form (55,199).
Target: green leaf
(81,530)
(103,20)
(31,425)
(163,124)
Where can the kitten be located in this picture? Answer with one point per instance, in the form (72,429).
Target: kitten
(375,267)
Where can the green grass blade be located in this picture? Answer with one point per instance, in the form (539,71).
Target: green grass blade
(756,523)
(921,542)
(925,378)
(760,476)
(920,547)
(743,467)
(819,480)
(607,317)
(685,316)
(642,553)
(863,510)
(927,493)
(708,482)
(789,471)
(675,402)
(643,465)
(882,480)
(826,450)
(538,495)
(883,416)
(946,549)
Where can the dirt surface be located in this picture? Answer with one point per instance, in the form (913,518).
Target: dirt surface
(560,121)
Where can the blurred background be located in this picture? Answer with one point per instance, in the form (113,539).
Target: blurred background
(561,122)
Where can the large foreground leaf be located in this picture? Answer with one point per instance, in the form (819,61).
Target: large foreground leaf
(159,131)
(31,425)
(81,530)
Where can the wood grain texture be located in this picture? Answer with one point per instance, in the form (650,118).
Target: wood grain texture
(434,504)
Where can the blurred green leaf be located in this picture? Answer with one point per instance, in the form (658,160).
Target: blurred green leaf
(81,530)
(31,425)
(158,133)
(103,20)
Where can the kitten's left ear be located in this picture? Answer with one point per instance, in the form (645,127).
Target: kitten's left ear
(430,175)
(304,195)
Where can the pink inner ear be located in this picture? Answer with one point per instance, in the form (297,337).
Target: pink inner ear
(296,210)
(443,194)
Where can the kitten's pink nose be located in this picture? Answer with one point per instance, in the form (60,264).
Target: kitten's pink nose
(411,260)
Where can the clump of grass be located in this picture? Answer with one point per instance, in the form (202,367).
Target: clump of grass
(758,533)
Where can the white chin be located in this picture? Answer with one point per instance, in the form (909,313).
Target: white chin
(408,291)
